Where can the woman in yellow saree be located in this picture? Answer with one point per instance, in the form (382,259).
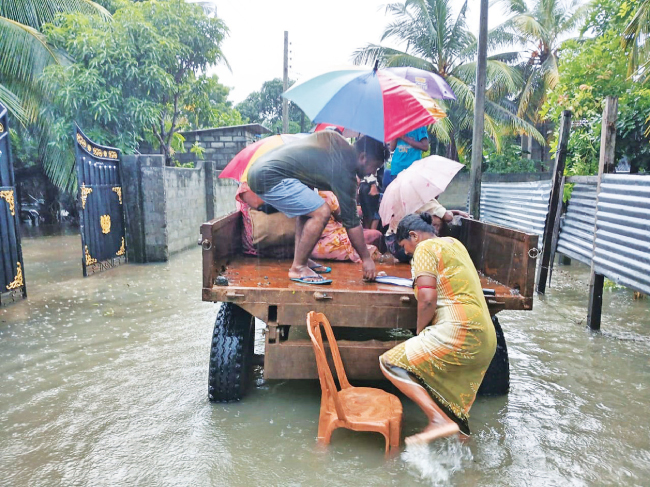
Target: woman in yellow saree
(442,367)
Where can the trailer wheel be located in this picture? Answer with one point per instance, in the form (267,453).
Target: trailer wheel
(497,378)
(231,354)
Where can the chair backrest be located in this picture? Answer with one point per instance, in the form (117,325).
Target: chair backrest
(328,386)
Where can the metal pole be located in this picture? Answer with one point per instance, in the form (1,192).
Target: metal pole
(479,114)
(285,85)
(605,163)
(555,200)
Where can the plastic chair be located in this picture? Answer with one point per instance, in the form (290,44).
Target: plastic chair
(355,408)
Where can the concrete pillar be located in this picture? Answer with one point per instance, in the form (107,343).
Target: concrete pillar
(144,203)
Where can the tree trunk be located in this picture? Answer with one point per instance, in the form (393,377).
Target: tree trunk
(452,150)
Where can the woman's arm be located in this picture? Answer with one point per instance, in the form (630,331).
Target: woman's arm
(427,301)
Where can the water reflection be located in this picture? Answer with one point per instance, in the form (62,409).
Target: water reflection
(104,382)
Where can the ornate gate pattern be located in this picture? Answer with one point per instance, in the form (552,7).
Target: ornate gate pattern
(12,279)
(103,237)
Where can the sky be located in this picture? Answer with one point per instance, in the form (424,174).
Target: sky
(322,35)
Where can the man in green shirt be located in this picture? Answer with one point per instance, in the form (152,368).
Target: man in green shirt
(285,178)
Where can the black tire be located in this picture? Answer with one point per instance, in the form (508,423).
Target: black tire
(497,378)
(231,354)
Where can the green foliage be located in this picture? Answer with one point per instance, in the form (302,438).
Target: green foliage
(198,150)
(265,107)
(135,78)
(591,69)
(539,26)
(511,159)
(25,53)
(209,105)
(636,38)
(609,285)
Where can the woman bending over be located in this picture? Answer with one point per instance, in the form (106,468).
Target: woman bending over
(442,367)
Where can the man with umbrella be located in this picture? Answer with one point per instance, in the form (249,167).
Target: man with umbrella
(285,177)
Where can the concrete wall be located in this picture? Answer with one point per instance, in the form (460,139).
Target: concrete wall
(185,205)
(165,206)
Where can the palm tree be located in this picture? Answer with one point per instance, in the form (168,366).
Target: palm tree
(540,30)
(637,38)
(25,54)
(436,40)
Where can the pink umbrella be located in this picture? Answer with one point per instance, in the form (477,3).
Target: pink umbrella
(415,186)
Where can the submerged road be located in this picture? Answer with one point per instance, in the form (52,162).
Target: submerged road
(104,382)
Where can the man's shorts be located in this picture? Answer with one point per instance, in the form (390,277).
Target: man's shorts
(293,198)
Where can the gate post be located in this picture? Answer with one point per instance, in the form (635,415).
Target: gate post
(554,200)
(605,162)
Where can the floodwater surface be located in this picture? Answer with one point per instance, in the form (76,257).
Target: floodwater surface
(104,382)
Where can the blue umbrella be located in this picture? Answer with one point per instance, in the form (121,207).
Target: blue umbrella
(373,102)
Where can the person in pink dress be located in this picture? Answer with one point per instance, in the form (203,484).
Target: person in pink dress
(334,243)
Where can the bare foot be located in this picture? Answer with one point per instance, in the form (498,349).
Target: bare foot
(433,432)
(303,271)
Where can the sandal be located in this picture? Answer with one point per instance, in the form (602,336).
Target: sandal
(318,280)
(326,270)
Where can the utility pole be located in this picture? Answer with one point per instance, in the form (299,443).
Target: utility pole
(285,85)
(479,116)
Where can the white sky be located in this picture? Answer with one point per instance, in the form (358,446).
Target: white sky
(322,35)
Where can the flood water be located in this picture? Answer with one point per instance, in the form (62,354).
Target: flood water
(104,382)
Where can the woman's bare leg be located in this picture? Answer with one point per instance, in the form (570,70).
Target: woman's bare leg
(440,425)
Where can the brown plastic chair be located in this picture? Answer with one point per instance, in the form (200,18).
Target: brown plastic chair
(355,408)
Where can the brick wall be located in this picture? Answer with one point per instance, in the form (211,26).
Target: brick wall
(221,144)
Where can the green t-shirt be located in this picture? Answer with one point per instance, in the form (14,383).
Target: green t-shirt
(323,160)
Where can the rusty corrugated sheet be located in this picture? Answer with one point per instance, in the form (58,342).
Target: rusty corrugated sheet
(622,251)
(522,206)
(577,232)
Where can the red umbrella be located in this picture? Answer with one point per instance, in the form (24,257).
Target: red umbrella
(237,168)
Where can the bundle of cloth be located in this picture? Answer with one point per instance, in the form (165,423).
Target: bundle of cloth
(269,233)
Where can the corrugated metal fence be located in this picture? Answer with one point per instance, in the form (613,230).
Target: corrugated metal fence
(576,239)
(622,247)
(622,251)
(522,206)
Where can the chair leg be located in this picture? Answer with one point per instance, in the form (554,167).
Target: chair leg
(395,432)
(326,425)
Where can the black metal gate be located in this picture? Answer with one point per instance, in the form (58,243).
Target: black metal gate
(12,277)
(103,237)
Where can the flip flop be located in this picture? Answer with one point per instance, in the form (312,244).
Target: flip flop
(321,266)
(317,280)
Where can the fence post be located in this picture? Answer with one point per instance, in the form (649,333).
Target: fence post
(554,200)
(556,232)
(605,163)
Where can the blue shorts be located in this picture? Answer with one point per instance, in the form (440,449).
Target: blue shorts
(293,198)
